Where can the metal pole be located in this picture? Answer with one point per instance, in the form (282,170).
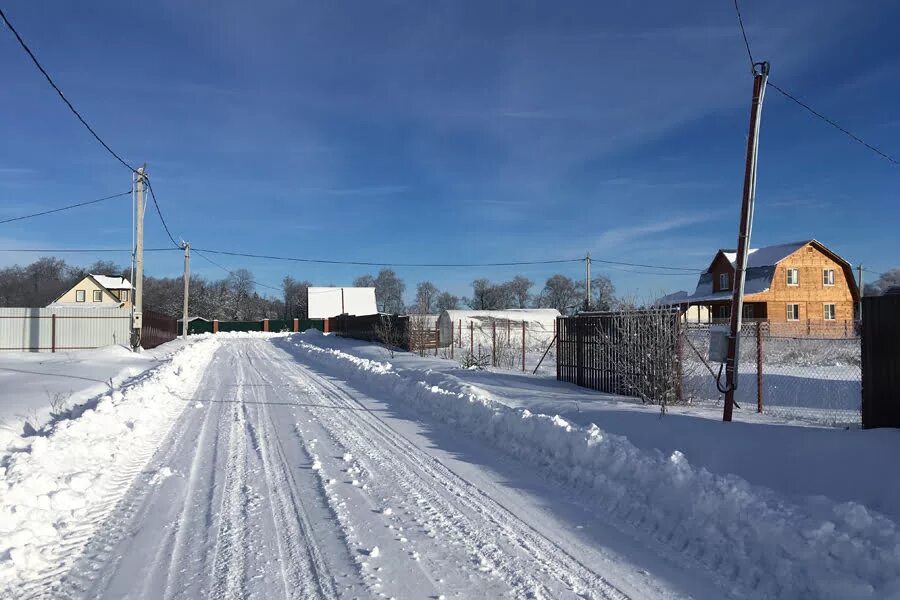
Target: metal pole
(451,340)
(759,367)
(587,281)
(471,338)
(137,309)
(760,75)
(494,343)
(187,284)
(523,345)
(861,293)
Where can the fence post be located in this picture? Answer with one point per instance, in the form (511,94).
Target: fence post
(679,356)
(215,326)
(52,333)
(508,326)
(451,340)
(265,325)
(296,325)
(494,343)
(759,367)
(523,345)
(472,337)
(437,342)
(460,334)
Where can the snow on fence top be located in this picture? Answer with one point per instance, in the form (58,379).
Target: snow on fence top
(327,302)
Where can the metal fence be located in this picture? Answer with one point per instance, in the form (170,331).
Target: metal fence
(881,361)
(503,344)
(814,377)
(63,329)
(631,353)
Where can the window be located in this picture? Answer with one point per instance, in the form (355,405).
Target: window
(748,311)
(79,295)
(830,313)
(98,296)
(124,296)
(724,311)
(828,276)
(793,312)
(793,277)
(723,281)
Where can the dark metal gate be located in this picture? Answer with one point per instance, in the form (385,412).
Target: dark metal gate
(632,353)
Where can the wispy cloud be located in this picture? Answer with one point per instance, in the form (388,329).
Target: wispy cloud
(617,236)
(365,190)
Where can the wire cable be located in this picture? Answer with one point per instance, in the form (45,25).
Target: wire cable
(83,250)
(62,208)
(230,272)
(60,93)
(159,212)
(806,106)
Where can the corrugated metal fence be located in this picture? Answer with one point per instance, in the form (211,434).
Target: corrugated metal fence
(62,329)
(881,361)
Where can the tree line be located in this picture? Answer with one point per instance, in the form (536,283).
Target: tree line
(234,297)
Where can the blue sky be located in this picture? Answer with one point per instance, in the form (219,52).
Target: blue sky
(451,132)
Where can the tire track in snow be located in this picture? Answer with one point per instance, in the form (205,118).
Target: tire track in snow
(303,570)
(443,492)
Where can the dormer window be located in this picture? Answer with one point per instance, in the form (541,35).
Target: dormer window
(724,283)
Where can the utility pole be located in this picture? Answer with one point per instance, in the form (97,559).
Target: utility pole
(760,75)
(587,281)
(187,285)
(861,292)
(137,308)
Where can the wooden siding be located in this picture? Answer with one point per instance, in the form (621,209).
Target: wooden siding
(810,293)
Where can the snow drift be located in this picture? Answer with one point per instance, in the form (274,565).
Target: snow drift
(753,537)
(61,483)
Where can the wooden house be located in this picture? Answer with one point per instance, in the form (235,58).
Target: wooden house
(798,287)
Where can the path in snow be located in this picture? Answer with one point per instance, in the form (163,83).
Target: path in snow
(280,483)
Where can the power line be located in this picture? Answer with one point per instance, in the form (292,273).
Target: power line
(83,250)
(807,107)
(737,9)
(161,218)
(62,208)
(849,134)
(59,92)
(230,272)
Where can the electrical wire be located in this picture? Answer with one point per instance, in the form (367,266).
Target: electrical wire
(807,107)
(62,208)
(159,212)
(83,250)
(60,93)
(230,272)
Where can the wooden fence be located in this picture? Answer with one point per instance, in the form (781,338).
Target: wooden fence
(373,328)
(881,361)
(626,353)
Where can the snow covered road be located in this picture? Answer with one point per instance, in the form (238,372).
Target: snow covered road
(277,482)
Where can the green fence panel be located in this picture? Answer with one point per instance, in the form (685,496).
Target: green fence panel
(312,324)
(240,326)
(199,327)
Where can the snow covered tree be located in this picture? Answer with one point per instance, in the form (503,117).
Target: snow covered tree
(888,279)
(562,293)
(426,295)
(446,301)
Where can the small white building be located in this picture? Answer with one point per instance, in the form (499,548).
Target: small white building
(478,326)
(327,302)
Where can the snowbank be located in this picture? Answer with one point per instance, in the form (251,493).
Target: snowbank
(64,480)
(763,542)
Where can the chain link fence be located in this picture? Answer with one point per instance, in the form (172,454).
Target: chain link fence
(814,375)
(499,344)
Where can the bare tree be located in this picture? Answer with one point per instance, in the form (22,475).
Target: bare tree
(391,333)
(446,301)
(560,292)
(519,290)
(426,295)
(296,298)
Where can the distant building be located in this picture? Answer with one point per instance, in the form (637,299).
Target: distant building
(479,325)
(797,284)
(327,302)
(97,291)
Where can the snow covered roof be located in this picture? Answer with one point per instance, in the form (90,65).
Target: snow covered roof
(112,283)
(511,314)
(767,256)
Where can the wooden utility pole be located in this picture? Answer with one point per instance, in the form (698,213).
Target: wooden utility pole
(760,75)
(587,281)
(138,300)
(187,284)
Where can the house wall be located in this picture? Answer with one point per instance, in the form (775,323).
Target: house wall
(719,266)
(811,293)
(89,286)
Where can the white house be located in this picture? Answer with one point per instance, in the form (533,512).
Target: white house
(327,302)
(96,291)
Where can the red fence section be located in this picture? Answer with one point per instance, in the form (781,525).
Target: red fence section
(157,329)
